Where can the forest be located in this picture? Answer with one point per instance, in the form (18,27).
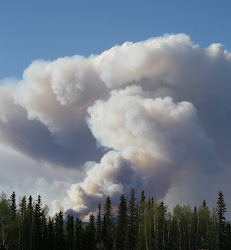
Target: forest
(143,224)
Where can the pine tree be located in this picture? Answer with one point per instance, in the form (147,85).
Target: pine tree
(132,222)
(121,229)
(221,209)
(107,224)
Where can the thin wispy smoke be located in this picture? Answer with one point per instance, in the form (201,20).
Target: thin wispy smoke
(142,115)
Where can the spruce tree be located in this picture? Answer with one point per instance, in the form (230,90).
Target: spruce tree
(13,205)
(59,232)
(50,235)
(90,233)
(132,222)
(44,231)
(107,224)
(194,234)
(204,219)
(121,229)
(30,222)
(22,223)
(142,204)
(161,225)
(221,209)
(99,227)
(70,232)
(79,237)
(37,224)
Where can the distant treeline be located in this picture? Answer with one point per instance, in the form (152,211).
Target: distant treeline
(145,224)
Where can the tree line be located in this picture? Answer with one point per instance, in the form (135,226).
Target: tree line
(144,224)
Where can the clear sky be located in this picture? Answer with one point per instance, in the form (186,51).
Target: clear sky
(49,29)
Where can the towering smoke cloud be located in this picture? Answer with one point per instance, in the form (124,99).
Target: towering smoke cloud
(142,115)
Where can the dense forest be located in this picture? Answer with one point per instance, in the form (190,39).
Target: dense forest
(143,224)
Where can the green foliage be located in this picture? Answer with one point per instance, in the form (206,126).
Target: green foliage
(107,224)
(121,228)
(221,209)
(70,232)
(5,220)
(79,235)
(99,228)
(132,228)
(90,233)
(143,225)
(59,232)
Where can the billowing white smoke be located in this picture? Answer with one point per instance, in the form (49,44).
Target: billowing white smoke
(160,108)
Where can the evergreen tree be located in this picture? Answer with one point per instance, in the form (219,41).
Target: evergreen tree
(99,237)
(79,235)
(14,227)
(194,234)
(50,235)
(37,224)
(228,236)
(213,230)
(90,233)
(13,205)
(132,222)
(44,224)
(203,227)
(30,223)
(70,232)
(121,229)
(142,204)
(22,223)
(221,209)
(161,226)
(107,224)
(59,232)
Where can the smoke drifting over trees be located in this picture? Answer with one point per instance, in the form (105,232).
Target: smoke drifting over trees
(142,115)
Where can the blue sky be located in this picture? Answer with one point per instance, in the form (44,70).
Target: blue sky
(45,141)
(50,29)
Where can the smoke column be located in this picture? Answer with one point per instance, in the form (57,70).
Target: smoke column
(153,115)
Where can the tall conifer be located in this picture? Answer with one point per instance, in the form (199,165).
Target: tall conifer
(90,233)
(107,224)
(70,232)
(121,229)
(99,227)
(221,209)
(132,222)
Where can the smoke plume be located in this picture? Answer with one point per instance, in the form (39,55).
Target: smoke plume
(146,115)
